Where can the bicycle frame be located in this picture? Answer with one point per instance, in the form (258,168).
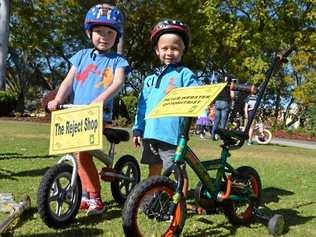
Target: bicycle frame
(106,159)
(185,154)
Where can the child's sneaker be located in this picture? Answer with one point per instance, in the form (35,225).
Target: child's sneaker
(84,205)
(96,207)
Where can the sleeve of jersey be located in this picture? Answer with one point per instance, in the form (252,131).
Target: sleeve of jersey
(139,124)
(189,78)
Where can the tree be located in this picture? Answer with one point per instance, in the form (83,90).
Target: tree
(4,32)
(44,34)
(236,38)
(245,36)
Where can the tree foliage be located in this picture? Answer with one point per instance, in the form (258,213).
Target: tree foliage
(237,38)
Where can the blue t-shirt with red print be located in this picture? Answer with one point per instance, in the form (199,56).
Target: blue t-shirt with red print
(94,74)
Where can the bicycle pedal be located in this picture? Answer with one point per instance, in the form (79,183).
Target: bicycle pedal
(107,174)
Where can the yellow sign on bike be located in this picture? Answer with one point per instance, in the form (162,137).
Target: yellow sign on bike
(186,101)
(76,129)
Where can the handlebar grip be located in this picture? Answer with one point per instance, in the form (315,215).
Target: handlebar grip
(68,106)
(243,88)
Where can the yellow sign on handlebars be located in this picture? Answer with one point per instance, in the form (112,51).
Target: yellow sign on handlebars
(187,101)
(76,129)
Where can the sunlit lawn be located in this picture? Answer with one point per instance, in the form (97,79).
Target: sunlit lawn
(288,176)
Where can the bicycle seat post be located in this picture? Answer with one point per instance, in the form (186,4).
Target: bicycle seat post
(111,152)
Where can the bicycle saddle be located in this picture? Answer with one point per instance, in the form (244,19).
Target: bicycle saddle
(116,135)
(232,138)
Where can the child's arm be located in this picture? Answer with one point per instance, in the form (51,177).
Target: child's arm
(246,110)
(63,91)
(139,124)
(114,88)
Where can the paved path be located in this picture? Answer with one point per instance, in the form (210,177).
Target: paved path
(296,143)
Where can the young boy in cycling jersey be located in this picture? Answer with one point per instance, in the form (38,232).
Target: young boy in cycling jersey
(170,39)
(96,75)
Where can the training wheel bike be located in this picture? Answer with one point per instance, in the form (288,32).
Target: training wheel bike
(157,207)
(59,193)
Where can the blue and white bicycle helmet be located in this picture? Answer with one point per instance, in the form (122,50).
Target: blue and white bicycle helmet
(104,15)
(171,26)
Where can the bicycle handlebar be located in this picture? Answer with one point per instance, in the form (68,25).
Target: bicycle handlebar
(243,88)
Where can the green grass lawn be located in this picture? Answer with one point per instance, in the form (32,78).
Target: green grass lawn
(288,176)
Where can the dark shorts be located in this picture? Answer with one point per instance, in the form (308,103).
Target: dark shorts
(158,152)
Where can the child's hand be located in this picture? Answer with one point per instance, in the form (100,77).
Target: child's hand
(137,141)
(97,100)
(52,105)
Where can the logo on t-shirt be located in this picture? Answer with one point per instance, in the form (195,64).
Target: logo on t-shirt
(82,76)
(107,78)
(171,85)
(106,75)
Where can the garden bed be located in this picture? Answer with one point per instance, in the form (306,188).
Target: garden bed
(293,135)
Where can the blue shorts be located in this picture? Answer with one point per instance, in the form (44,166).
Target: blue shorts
(158,152)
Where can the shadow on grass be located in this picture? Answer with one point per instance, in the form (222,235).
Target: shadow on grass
(6,174)
(221,229)
(32,173)
(78,232)
(14,155)
(74,229)
(291,215)
(272,194)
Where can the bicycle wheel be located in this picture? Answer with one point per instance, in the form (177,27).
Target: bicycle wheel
(57,203)
(127,166)
(263,138)
(246,185)
(150,211)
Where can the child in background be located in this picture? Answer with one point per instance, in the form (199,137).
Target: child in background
(222,106)
(170,40)
(211,116)
(95,76)
(202,124)
(249,109)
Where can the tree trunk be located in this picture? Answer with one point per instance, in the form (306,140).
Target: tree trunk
(4,33)
(277,108)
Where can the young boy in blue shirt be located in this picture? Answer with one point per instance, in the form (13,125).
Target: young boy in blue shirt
(96,75)
(170,39)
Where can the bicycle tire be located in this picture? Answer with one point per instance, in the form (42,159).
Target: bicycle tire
(52,193)
(265,139)
(135,206)
(133,171)
(249,177)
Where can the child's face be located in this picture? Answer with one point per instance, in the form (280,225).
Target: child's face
(170,48)
(103,37)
